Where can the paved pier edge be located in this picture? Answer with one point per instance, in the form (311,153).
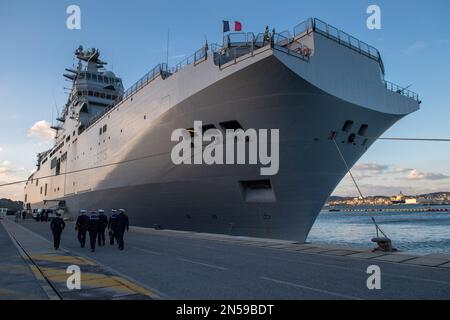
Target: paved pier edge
(436,260)
(400,268)
(49,266)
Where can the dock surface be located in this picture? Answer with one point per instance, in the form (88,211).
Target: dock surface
(163,264)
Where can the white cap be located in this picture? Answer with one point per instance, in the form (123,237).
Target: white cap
(122,210)
(113,210)
(101,211)
(83,211)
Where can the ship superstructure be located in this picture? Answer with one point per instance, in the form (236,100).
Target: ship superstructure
(323,89)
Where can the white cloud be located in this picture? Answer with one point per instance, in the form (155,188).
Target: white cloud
(415,47)
(368,170)
(11,175)
(417,175)
(371,166)
(42,130)
(1,149)
(402,170)
(5,163)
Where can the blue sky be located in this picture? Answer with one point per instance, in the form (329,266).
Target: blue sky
(36,46)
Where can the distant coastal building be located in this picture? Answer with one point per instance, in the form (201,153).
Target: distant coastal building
(398,199)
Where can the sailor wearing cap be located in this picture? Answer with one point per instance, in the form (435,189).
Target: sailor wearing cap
(112,226)
(121,225)
(103,223)
(57,225)
(82,226)
(93,228)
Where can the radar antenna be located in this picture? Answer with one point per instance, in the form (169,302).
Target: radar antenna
(90,55)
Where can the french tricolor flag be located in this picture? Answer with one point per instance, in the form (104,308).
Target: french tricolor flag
(226,26)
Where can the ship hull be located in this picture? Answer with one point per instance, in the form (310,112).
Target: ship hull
(214,199)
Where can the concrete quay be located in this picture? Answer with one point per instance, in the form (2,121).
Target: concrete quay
(165,264)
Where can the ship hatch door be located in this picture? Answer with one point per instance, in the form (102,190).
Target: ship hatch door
(258,191)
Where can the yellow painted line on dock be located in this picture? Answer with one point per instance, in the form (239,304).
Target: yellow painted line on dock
(62,259)
(60,275)
(97,280)
(100,282)
(123,290)
(136,288)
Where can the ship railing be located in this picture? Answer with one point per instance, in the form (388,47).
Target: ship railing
(197,57)
(159,70)
(304,28)
(239,44)
(341,37)
(345,39)
(401,90)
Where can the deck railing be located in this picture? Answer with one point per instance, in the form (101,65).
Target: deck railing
(159,70)
(353,43)
(400,90)
(234,45)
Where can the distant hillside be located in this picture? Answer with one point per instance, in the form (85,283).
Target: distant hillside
(434,195)
(11,205)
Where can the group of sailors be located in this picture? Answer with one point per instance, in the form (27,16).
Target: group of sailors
(96,225)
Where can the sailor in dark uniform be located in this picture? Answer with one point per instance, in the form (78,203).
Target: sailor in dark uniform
(103,223)
(112,226)
(57,225)
(93,228)
(121,224)
(82,227)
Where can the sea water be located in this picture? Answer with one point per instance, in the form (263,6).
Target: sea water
(410,231)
